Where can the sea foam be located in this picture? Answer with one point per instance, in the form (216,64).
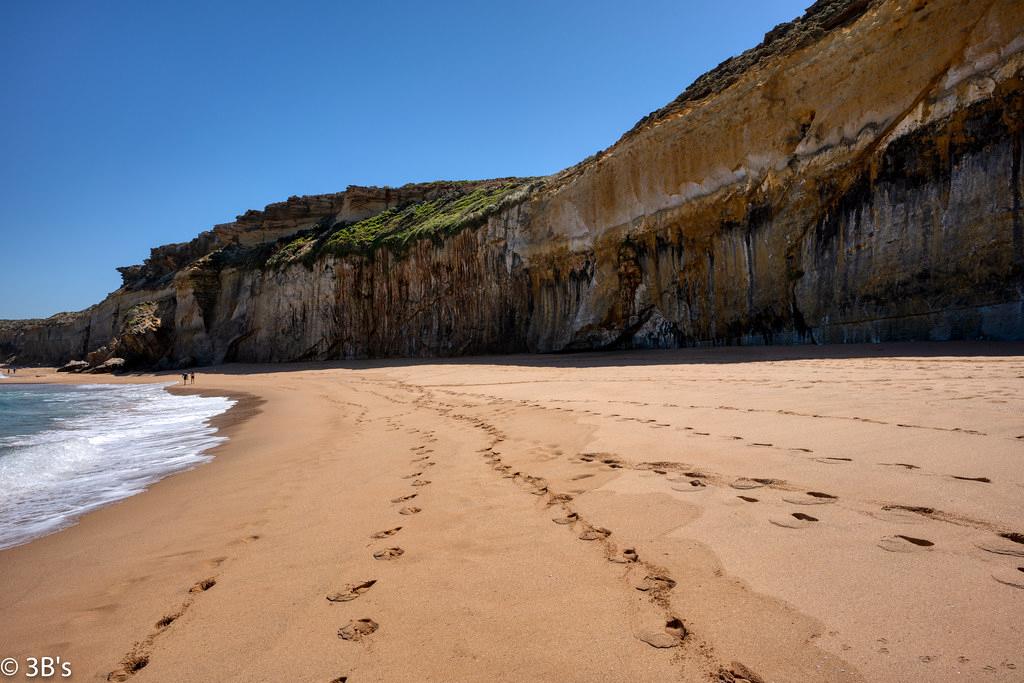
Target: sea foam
(67,450)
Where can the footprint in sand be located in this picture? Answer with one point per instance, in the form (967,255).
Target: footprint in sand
(1002,549)
(594,534)
(582,476)
(411,510)
(1010,576)
(386,532)
(904,544)
(743,483)
(625,557)
(421,482)
(738,673)
(832,461)
(388,554)
(670,636)
(168,619)
(983,480)
(691,486)
(568,519)
(357,629)
(402,499)
(749,499)
(796,520)
(1015,548)
(539,484)
(132,663)
(351,591)
(215,562)
(656,582)
(412,476)
(918,509)
(813,498)
(203,586)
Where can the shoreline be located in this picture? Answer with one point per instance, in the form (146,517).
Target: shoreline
(284,515)
(117,515)
(244,406)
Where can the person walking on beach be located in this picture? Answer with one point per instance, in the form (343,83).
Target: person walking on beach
(184,378)
(192,377)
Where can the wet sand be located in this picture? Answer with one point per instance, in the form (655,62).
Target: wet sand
(780,514)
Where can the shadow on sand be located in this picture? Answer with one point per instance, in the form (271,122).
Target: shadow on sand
(645,357)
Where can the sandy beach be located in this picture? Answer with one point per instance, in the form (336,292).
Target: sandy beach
(845,513)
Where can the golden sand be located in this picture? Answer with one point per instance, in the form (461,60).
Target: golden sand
(788,514)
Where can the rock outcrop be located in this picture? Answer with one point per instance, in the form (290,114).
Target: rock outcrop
(74,366)
(108,366)
(856,177)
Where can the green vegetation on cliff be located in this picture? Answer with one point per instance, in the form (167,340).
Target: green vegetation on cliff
(461,205)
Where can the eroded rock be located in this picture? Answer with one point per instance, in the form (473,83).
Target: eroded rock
(793,194)
(74,366)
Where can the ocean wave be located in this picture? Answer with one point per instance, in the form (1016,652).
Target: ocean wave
(67,450)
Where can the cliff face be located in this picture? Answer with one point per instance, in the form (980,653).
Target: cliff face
(856,177)
(863,187)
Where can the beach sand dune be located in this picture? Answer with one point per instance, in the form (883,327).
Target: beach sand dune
(792,514)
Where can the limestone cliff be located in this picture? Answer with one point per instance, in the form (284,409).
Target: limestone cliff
(855,177)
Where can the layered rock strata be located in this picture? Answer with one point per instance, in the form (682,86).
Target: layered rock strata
(856,177)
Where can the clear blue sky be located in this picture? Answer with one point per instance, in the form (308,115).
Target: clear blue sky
(126,125)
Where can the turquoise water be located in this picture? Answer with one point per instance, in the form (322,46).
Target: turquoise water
(65,450)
